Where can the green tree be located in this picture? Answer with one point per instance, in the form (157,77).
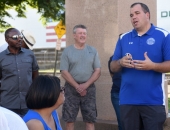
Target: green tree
(49,9)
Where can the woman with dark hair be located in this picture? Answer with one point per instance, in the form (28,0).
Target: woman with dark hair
(43,98)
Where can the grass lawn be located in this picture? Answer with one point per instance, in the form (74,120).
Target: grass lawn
(49,71)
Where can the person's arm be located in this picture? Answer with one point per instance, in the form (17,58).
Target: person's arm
(91,80)
(162,67)
(109,62)
(35,67)
(94,77)
(35,74)
(67,76)
(97,70)
(64,66)
(35,125)
(125,61)
(115,66)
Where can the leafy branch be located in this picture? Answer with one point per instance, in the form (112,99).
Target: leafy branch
(48,9)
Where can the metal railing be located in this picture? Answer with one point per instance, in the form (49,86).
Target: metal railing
(46,58)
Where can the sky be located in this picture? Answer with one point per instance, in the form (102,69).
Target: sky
(33,25)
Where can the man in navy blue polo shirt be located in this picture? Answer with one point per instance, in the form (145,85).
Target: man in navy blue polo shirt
(143,55)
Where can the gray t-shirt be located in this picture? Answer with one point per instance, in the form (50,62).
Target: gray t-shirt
(80,63)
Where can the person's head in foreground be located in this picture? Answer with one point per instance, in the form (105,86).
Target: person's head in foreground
(10,120)
(45,95)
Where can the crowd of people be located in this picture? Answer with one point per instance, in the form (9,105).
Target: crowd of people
(34,99)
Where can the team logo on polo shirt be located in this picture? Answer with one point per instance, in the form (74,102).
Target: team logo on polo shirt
(150,41)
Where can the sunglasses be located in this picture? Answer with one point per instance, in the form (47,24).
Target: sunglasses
(62,89)
(16,37)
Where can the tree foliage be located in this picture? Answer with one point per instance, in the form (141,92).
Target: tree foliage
(49,9)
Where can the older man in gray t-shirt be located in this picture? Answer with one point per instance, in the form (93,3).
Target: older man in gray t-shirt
(80,67)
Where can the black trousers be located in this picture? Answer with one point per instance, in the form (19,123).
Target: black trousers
(137,117)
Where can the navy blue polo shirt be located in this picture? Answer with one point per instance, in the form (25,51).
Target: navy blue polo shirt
(143,87)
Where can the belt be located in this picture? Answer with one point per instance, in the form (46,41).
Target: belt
(80,82)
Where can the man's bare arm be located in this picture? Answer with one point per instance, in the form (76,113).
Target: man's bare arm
(94,77)
(91,80)
(35,74)
(67,76)
(115,66)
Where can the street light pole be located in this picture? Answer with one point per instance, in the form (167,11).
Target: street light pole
(55,66)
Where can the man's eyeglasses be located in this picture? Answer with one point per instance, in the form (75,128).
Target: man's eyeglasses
(62,89)
(16,37)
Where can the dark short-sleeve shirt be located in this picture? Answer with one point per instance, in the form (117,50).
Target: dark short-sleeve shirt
(16,77)
(116,78)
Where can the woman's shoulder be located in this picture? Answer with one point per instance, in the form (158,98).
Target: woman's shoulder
(35,125)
